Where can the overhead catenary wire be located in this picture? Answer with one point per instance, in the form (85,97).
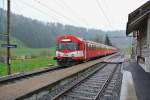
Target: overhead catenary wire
(74,12)
(39,10)
(108,10)
(100,7)
(56,12)
(17,6)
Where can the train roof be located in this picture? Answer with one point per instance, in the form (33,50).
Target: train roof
(100,44)
(60,37)
(65,36)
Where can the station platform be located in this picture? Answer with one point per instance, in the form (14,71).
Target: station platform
(127,88)
(136,82)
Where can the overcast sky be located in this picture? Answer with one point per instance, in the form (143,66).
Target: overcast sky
(99,14)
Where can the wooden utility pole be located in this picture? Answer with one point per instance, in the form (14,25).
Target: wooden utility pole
(8,37)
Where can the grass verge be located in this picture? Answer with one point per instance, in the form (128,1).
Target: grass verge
(36,59)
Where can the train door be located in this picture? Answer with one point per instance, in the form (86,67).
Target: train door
(85,50)
(87,55)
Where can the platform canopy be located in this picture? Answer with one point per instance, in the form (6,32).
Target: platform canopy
(138,17)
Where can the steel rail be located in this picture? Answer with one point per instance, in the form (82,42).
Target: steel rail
(53,84)
(101,90)
(105,84)
(10,78)
(68,89)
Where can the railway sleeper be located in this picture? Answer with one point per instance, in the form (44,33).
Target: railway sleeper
(74,97)
(98,75)
(85,94)
(101,79)
(85,89)
(111,87)
(90,86)
(108,91)
(95,80)
(93,83)
(82,91)
(107,97)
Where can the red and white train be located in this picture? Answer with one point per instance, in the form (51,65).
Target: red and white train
(72,49)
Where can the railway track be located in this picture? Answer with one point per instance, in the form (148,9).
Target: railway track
(50,84)
(12,78)
(51,91)
(102,81)
(91,87)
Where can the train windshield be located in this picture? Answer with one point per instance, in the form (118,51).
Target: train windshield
(68,46)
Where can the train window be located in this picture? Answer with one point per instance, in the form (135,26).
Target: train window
(61,46)
(78,46)
(91,47)
(88,46)
(69,46)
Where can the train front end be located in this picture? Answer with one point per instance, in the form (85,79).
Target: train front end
(69,50)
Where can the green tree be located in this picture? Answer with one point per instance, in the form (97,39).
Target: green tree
(107,40)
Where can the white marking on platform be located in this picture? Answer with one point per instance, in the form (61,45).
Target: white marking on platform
(127,88)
